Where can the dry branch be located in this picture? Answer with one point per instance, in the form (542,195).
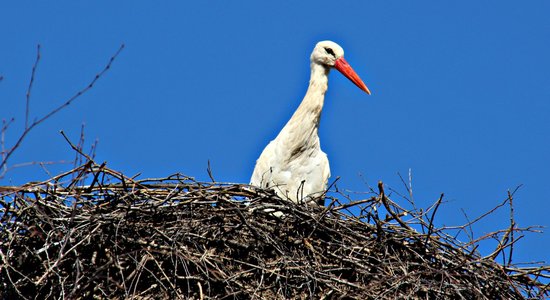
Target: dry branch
(7,153)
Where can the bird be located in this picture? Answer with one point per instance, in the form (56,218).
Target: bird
(293,164)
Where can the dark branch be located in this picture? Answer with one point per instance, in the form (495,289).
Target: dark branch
(56,110)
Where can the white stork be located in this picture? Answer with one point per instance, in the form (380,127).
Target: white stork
(293,164)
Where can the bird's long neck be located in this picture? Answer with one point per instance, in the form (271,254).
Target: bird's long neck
(301,130)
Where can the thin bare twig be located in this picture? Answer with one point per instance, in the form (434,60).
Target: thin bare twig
(430,224)
(384,200)
(209,171)
(31,81)
(5,126)
(76,148)
(512,227)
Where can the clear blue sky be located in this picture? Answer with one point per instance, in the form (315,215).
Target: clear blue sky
(461,93)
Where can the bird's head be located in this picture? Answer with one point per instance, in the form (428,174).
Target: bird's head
(331,55)
(326,53)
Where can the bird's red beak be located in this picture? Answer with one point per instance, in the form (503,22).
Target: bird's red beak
(342,65)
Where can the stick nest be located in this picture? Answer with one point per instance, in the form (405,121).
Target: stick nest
(94,233)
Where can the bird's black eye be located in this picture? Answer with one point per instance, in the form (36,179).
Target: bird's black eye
(329,51)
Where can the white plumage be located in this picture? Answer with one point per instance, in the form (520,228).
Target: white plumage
(293,164)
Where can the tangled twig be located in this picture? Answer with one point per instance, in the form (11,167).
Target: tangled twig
(94,232)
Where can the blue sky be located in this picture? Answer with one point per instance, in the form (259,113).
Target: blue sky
(460,93)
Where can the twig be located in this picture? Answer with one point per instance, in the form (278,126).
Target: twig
(5,126)
(469,231)
(80,145)
(75,148)
(512,227)
(430,224)
(209,171)
(354,203)
(408,187)
(332,184)
(384,200)
(31,81)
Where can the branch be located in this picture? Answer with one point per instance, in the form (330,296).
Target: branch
(56,110)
